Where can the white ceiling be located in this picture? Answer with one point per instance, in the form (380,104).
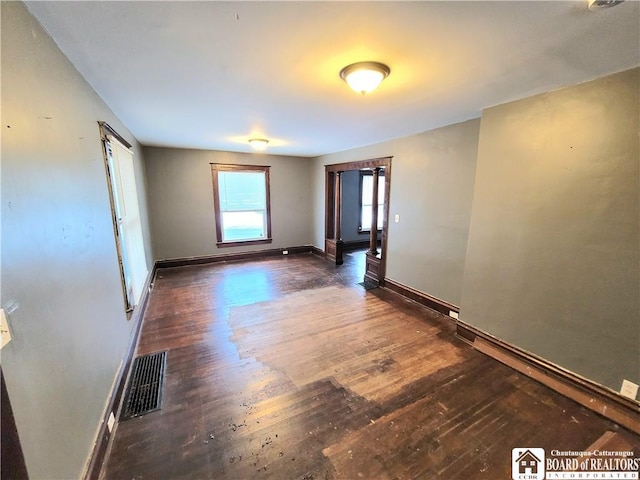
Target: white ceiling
(211,74)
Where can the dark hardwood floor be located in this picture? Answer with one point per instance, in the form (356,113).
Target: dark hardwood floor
(285,368)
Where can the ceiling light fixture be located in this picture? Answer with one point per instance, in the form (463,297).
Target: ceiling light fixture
(364,77)
(259,144)
(600,4)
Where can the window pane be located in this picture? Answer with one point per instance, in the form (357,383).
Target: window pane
(367,194)
(243,225)
(367,191)
(380,200)
(242,211)
(366,217)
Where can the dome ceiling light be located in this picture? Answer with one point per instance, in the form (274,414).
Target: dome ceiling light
(600,4)
(364,77)
(259,144)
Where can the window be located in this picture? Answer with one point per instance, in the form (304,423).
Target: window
(242,206)
(126,215)
(366,196)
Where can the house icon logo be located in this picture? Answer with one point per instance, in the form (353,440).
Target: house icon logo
(527,463)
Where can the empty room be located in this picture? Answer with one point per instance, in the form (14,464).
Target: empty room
(320,240)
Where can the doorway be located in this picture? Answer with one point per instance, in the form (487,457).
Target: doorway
(375,266)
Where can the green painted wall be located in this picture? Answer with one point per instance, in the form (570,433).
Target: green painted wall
(553,262)
(432,179)
(181,200)
(59,262)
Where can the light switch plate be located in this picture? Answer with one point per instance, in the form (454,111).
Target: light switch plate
(110,422)
(4,328)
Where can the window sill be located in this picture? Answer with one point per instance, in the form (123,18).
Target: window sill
(237,243)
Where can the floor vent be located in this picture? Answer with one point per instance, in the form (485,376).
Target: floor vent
(144,392)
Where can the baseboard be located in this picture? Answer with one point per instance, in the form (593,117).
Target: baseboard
(100,448)
(229,257)
(606,402)
(318,251)
(597,398)
(422,298)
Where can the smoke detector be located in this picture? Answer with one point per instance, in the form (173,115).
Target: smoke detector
(600,4)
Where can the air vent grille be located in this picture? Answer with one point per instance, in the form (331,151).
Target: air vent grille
(144,392)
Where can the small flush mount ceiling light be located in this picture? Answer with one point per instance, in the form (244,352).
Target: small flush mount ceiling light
(600,4)
(259,144)
(364,77)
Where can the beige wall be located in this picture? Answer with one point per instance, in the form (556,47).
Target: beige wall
(553,263)
(181,200)
(59,263)
(432,178)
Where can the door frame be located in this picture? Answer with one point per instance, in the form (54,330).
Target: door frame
(333,204)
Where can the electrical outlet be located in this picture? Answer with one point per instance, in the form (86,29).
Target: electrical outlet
(453,314)
(5,332)
(285,252)
(111,421)
(629,389)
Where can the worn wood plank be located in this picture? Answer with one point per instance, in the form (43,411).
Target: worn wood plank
(285,368)
(623,416)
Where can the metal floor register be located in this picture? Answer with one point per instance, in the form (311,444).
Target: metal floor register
(144,392)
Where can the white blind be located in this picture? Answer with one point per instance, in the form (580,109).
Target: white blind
(242,191)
